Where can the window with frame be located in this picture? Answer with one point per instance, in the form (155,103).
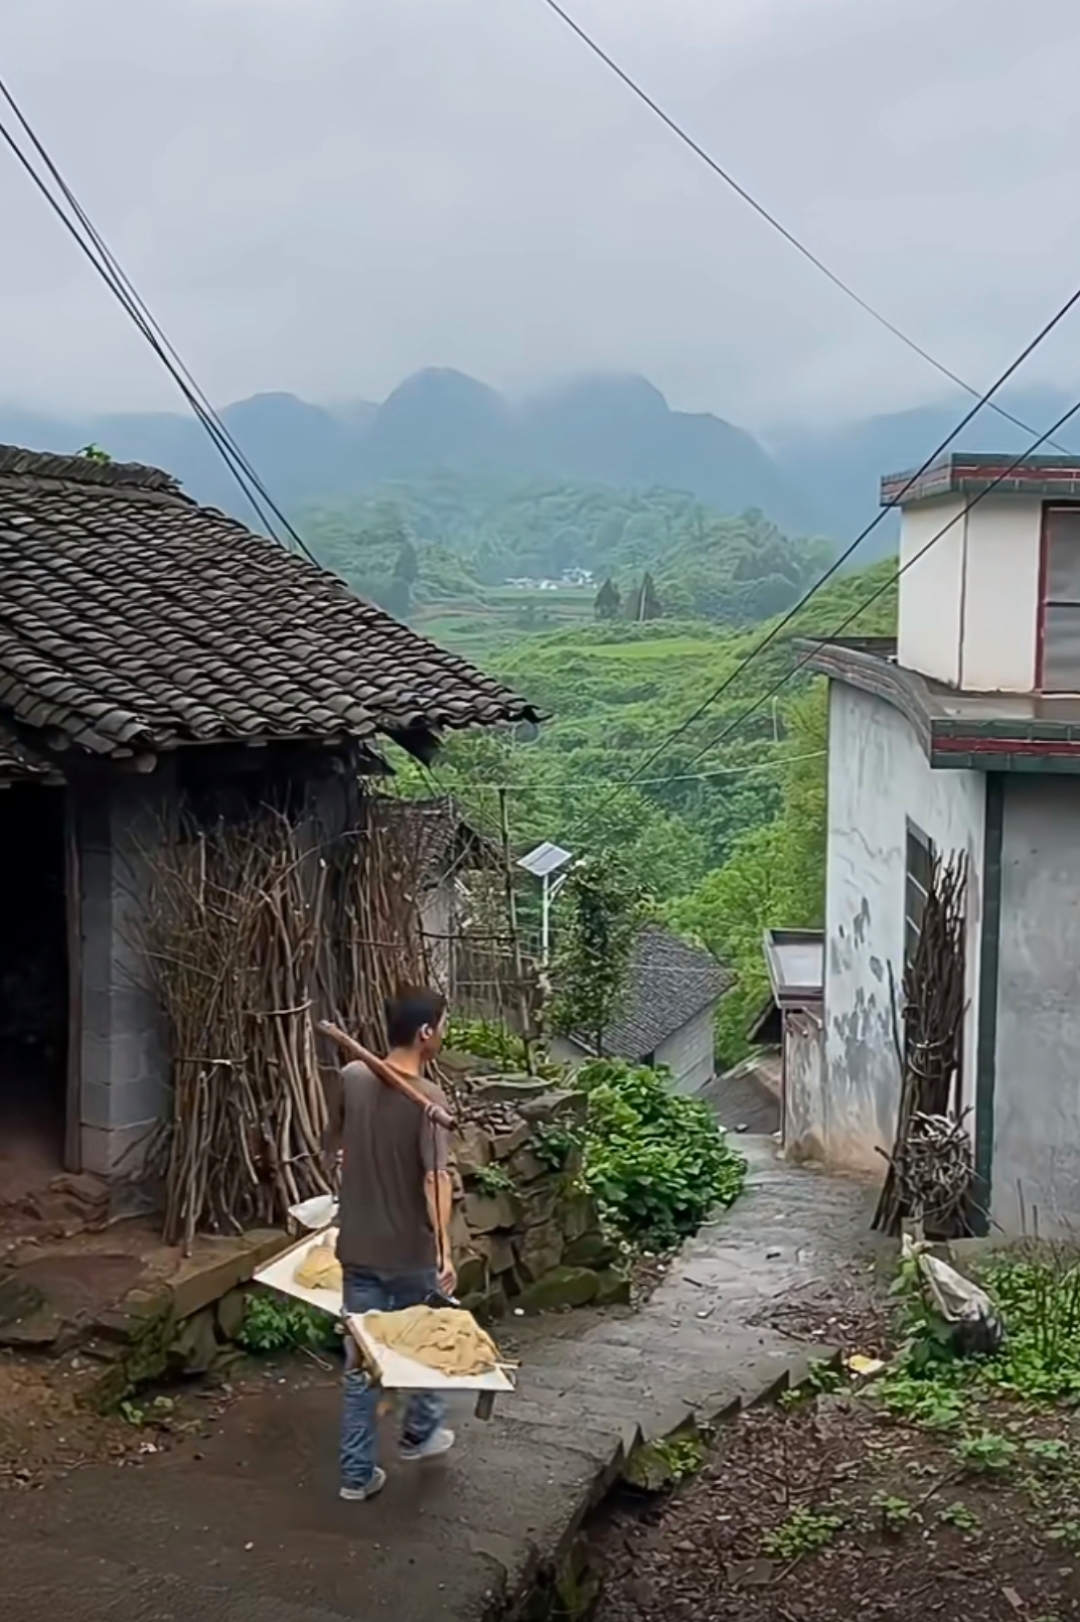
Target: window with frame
(918,871)
(1059,609)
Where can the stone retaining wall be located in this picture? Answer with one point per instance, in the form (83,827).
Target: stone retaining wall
(526,1236)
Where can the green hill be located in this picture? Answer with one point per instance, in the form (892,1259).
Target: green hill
(728,836)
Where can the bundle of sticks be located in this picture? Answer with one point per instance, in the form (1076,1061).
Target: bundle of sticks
(930,1058)
(249,931)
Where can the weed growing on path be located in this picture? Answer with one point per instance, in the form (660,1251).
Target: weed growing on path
(805,1531)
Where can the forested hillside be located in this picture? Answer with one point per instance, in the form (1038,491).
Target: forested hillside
(443,549)
(728,836)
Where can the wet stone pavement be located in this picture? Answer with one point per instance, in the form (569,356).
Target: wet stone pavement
(246,1527)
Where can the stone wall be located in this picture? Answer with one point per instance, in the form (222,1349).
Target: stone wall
(526,1236)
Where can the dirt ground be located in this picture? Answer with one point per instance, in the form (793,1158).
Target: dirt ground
(833,1508)
(48,1429)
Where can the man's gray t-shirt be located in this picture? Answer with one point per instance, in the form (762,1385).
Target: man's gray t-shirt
(388,1146)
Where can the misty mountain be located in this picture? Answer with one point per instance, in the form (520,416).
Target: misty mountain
(610,431)
(841,469)
(614,431)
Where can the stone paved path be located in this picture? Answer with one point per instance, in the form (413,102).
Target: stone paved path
(247,1528)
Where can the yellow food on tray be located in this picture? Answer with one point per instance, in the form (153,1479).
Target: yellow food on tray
(320,1268)
(442,1338)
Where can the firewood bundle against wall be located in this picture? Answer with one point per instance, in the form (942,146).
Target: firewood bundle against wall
(930,1176)
(252,934)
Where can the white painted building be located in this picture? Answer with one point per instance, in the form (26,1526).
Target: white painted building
(964,735)
(667,1014)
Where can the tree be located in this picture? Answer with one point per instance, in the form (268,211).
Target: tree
(407,564)
(600,910)
(608,601)
(644,604)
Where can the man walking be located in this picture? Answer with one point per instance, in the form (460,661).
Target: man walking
(394,1224)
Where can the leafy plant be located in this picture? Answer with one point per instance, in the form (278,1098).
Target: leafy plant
(553,1145)
(937,1405)
(141,1413)
(822,1377)
(805,1531)
(494,1179)
(896,1513)
(656,1162)
(988,1453)
(1048,1452)
(1037,1291)
(274,1324)
(959,1515)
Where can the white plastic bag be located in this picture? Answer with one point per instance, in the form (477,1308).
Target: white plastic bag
(978,1331)
(315,1213)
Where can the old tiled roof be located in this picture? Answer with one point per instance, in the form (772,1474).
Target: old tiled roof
(668,983)
(17,764)
(132,619)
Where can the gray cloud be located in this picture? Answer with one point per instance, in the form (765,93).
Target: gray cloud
(323,195)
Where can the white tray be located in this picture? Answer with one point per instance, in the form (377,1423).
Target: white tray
(278,1275)
(397,1373)
(394,1372)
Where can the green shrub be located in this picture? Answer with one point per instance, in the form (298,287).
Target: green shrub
(273,1323)
(656,1162)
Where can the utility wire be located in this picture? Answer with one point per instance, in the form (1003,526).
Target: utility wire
(786,619)
(558,784)
(819,642)
(759,208)
(112,273)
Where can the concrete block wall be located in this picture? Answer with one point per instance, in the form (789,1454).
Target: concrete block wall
(124,1057)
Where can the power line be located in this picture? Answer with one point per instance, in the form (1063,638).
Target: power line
(887,585)
(786,619)
(559,784)
(759,208)
(120,285)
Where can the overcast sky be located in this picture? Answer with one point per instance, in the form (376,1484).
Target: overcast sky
(324,195)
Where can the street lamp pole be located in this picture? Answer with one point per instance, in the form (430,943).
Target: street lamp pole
(544,863)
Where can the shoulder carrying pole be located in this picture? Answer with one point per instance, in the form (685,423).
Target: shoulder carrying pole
(387,1074)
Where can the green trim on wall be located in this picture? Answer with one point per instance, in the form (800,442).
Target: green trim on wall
(989,960)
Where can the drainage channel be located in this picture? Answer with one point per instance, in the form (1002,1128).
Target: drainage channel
(572,1587)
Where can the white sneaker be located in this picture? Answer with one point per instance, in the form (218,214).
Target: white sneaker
(438,1443)
(359,1495)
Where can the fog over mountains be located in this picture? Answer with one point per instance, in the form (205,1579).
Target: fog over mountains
(617,431)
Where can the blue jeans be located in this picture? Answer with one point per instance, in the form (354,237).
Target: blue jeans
(368,1291)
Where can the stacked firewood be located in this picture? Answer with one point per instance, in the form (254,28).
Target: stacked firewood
(252,934)
(930,1174)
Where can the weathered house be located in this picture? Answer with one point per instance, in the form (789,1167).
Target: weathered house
(963,736)
(668,1011)
(157,655)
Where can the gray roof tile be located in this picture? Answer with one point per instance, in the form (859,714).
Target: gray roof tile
(669,982)
(131,618)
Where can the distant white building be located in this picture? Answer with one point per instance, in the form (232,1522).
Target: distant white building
(964,735)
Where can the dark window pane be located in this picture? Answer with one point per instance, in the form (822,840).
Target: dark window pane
(919,859)
(1061,649)
(1063,555)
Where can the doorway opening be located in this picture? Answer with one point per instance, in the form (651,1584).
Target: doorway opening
(33,989)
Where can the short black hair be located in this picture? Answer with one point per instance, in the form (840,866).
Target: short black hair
(409,1011)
